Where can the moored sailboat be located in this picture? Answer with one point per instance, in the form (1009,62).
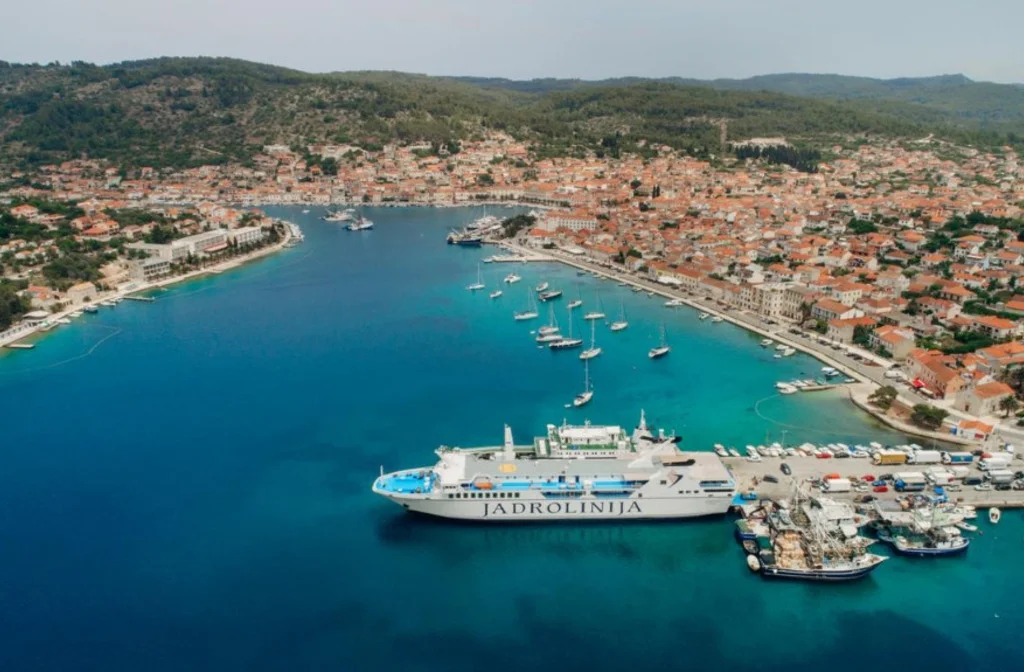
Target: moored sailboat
(587,394)
(593,350)
(661,350)
(621,323)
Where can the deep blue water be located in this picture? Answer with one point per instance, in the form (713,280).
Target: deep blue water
(185,485)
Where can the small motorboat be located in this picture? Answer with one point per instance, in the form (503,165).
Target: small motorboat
(753,563)
(967,527)
(994,514)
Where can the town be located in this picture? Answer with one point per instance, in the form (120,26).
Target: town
(899,253)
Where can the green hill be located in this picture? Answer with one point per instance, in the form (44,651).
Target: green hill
(189,111)
(946,99)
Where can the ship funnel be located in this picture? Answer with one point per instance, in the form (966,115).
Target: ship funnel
(510,452)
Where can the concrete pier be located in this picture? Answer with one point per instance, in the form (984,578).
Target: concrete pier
(745,472)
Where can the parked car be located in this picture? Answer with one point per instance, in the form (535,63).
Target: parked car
(972,480)
(1004,486)
(881,488)
(784,468)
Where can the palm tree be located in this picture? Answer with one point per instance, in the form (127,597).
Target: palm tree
(1008,404)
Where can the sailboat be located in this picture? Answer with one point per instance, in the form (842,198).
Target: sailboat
(531,311)
(496,293)
(593,350)
(595,314)
(568,342)
(661,350)
(479,284)
(587,394)
(549,334)
(577,302)
(552,327)
(621,323)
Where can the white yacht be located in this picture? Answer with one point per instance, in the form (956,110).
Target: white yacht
(661,350)
(593,350)
(567,342)
(479,284)
(674,303)
(552,326)
(767,343)
(716,319)
(531,310)
(512,279)
(542,287)
(595,314)
(587,394)
(621,323)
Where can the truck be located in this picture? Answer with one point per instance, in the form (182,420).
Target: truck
(889,457)
(940,477)
(838,485)
(997,476)
(957,458)
(909,481)
(960,471)
(1000,461)
(925,457)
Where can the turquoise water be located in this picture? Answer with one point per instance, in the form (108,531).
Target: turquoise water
(185,485)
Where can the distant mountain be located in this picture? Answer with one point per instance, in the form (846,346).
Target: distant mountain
(190,111)
(952,99)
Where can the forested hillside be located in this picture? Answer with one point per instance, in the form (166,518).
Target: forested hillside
(190,111)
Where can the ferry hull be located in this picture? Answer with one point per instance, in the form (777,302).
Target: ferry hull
(590,508)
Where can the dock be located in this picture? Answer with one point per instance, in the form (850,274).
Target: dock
(147,299)
(750,478)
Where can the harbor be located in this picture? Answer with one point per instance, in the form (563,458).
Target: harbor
(389,356)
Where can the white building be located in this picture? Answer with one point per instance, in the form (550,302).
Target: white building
(248,235)
(553,221)
(149,269)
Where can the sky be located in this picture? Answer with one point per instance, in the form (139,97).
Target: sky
(523,39)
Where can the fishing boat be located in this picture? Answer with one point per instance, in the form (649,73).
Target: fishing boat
(595,314)
(346,215)
(568,342)
(479,284)
(587,394)
(361,224)
(593,350)
(621,323)
(661,350)
(531,310)
(512,279)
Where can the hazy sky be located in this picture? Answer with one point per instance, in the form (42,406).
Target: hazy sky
(538,38)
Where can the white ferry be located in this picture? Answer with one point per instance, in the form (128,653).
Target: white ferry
(573,472)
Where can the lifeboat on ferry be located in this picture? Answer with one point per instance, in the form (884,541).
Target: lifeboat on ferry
(483,484)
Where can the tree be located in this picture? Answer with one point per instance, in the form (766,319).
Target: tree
(884,397)
(862,335)
(860,226)
(1008,405)
(928,416)
(821,326)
